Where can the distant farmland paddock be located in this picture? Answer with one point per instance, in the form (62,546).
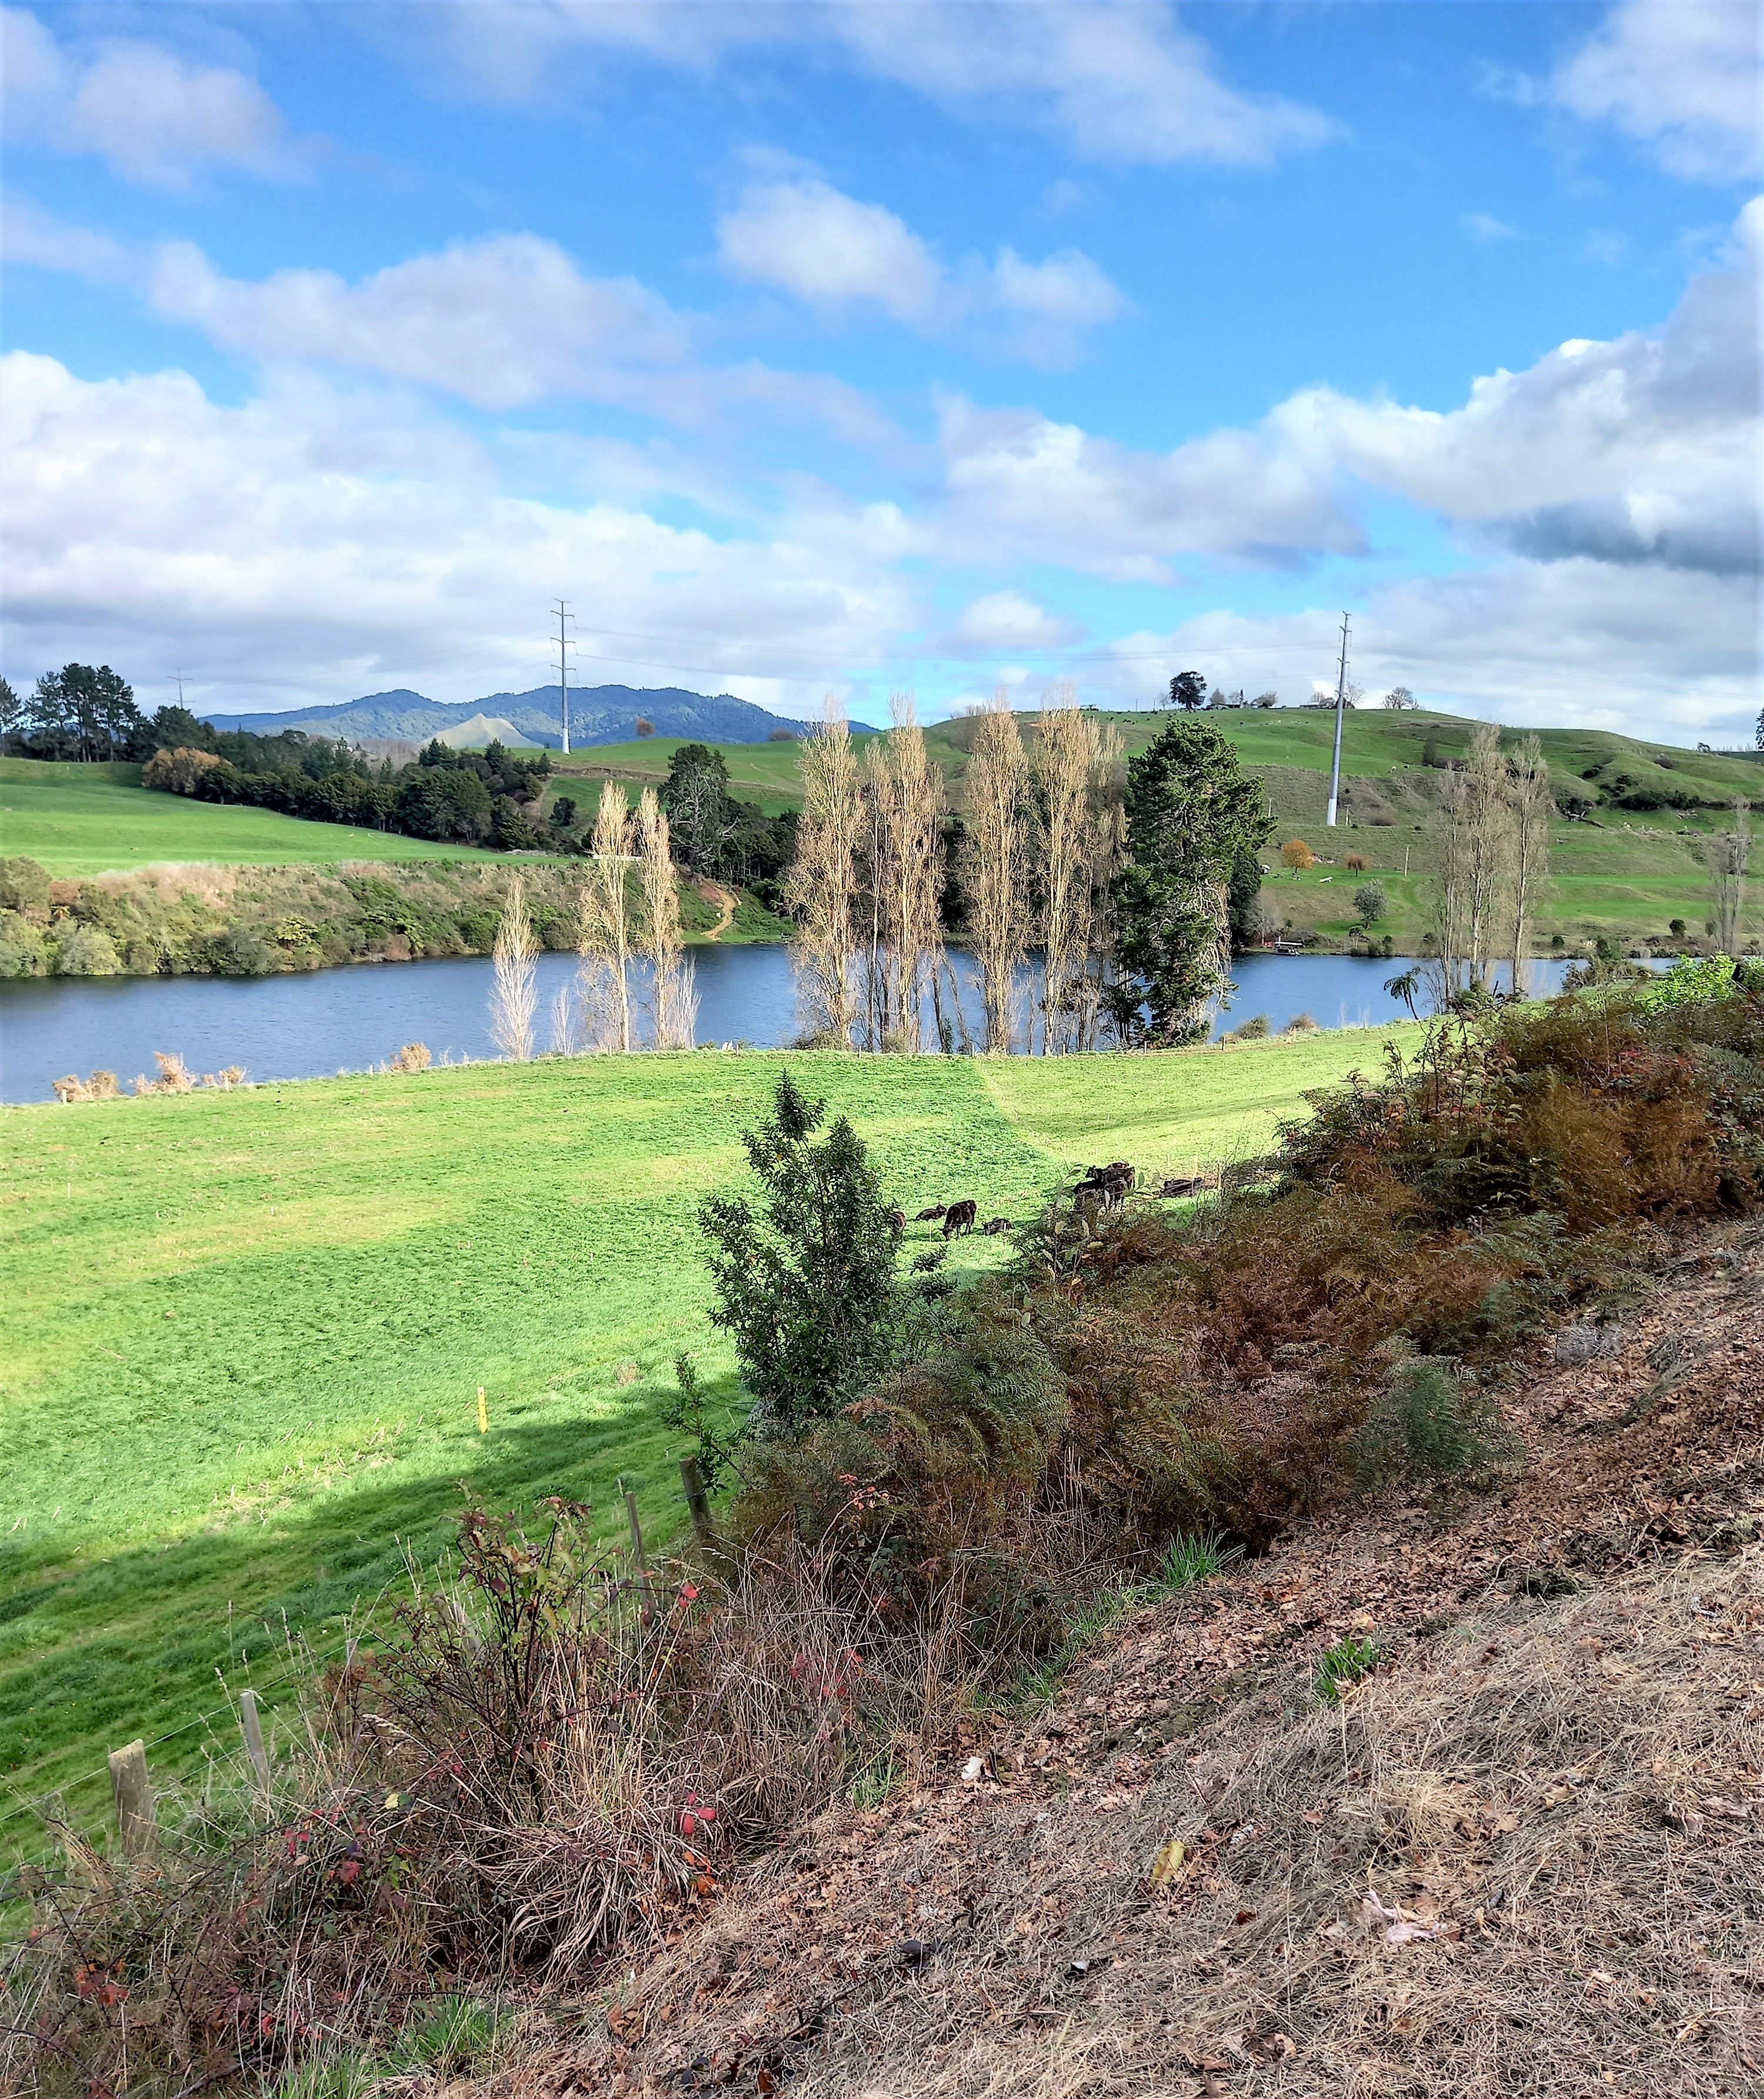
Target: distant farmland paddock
(242,1335)
(85,820)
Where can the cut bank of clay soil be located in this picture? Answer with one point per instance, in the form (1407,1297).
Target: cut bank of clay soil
(1523,1857)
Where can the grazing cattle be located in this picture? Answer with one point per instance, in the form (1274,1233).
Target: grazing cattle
(1107,1185)
(929,1217)
(897,1223)
(960,1217)
(1180,1185)
(994,1226)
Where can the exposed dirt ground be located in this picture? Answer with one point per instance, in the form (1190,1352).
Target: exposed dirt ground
(1525,1855)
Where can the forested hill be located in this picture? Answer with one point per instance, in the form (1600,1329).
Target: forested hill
(598,714)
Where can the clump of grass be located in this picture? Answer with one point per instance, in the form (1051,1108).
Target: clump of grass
(1345,1663)
(1428,1423)
(1188,1560)
(1301,1023)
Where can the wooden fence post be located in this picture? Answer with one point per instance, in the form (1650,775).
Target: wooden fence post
(697,1499)
(646,1602)
(251,1728)
(135,1819)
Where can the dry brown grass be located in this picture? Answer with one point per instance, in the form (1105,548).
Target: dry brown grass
(1526,1858)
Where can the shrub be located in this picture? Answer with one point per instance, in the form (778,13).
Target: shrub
(23,885)
(1297,855)
(179,772)
(1300,1023)
(1427,1424)
(1370,904)
(23,951)
(1255,1029)
(809,1294)
(412,1057)
(1356,863)
(83,951)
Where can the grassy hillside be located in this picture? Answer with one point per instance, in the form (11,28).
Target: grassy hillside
(83,820)
(242,1334)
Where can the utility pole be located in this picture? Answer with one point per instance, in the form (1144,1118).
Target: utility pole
(563,645)
(1341,704)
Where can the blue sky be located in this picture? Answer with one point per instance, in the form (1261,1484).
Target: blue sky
(848,346)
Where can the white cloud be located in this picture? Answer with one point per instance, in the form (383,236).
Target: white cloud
(799,233)
(349,547)
(1483,226)
(1121,84)
(1007,619)
(1680,75)
(1017,485)
(28,234)
(1643,451)
(1568,643)
(500,322)
(156,116)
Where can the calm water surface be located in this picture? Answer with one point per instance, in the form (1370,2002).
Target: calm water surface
(349,1019)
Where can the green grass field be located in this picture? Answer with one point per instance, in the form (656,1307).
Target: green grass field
(85,820)
(242,1334)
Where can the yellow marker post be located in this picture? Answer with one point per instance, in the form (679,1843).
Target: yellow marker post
(483,1414)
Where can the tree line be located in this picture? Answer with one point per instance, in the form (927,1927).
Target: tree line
(1124,880)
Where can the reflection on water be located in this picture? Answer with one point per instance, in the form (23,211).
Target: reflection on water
(348,1019)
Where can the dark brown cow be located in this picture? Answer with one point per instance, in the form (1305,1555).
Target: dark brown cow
(929,1217)
(994,1226)
(960,1217)
(897,1223)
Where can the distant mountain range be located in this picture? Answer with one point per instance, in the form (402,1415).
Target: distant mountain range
(598,714)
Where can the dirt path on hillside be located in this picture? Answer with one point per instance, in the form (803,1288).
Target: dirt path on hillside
(725,899)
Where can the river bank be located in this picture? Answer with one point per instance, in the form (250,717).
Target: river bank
(193,919)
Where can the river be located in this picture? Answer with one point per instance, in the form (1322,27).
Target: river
(327,1021)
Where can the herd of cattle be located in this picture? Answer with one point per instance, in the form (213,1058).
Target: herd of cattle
(1103,1188)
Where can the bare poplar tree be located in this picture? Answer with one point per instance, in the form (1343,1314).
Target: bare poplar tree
(1106,852)
(1473,825)
(823,878)
(1065,759)
(514,993)
(915,861)
(874,886)
(996,869)
(1728,857)
(673,1001)
(1530,803)
(603,973)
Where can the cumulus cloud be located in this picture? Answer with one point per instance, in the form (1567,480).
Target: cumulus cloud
(1008,620)
(157,117)
(1016,484)
(500,322)
(343,546)
(1682,76)
(1575,642)
(1121,84)
(1643,449)
(799,235)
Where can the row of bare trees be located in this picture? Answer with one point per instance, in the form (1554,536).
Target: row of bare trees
(1494,829)
(1038,838)
(633,989)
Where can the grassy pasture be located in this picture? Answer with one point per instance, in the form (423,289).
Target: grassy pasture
(242,1334)
(85,820)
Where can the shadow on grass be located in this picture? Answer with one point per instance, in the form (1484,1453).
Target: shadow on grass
(149,1639)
